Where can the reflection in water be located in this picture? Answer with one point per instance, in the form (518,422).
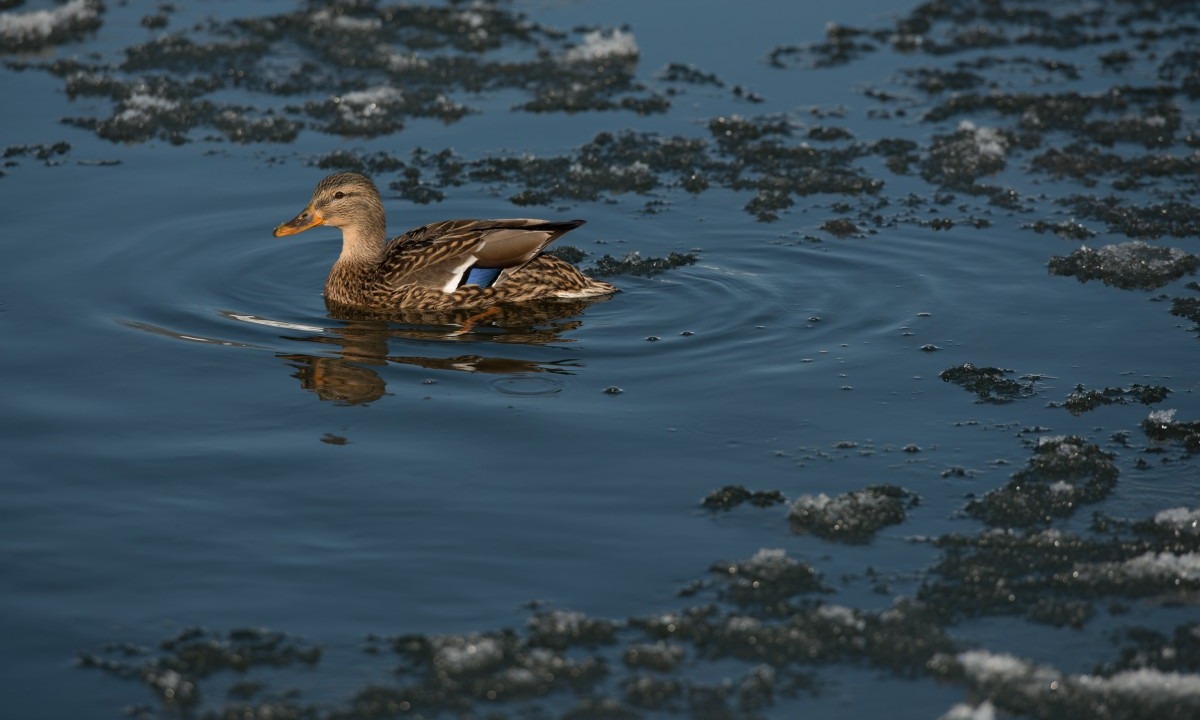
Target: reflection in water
(362,343)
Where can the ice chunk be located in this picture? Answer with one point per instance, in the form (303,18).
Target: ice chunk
(962,711)
(369,103)
(988,141)
(1150,566)
(1179,518)
(338,21)
(29,30)
(600,44)
(1129,265)
(141,107)
(1161,417)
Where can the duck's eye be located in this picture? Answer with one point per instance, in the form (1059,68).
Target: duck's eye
(339,195)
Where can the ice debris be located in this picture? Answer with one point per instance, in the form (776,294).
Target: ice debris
(730,496)
(1025,688)
(26,31)
(989,383)
(604,44)
(1161,426)
(852,517)
(1180,518)
(1063,474)
(769,578)
(1132,265)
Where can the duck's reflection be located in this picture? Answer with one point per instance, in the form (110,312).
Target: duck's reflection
(362,339)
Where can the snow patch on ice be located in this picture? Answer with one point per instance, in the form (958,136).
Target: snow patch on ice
(1179,518)
(39,25)
(601,44)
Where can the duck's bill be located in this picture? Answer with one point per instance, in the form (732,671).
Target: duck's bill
(306,219)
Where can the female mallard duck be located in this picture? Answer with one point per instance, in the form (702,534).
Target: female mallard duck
(442,266)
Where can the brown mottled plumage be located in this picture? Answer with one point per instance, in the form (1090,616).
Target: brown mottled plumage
(425,268)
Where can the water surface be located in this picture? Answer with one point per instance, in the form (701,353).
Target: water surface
(191,439)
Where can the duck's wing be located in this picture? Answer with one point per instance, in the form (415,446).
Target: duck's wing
(441,255)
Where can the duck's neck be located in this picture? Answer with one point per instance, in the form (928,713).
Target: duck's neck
(362,242)
(362,253)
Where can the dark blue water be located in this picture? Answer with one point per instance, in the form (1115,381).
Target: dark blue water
(165,465)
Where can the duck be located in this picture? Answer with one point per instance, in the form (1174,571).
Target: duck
(447,265)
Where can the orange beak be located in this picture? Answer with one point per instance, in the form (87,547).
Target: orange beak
(306,219)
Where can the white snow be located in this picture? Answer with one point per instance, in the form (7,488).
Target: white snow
(768,563)
(458,655)
(1179,518)
(600,44)
(988,141)
(742,623)
(472,18)
(1149,566)
(140,107)
(401,61)
(368,103)
(1161,417)
(994,667)
(343,22)
(558,622)
(637,167)
(962,711)
(1138,256)
(37,25)
(1145,682)
(842,615)
(812,502)
(1165,566)
(1008,675)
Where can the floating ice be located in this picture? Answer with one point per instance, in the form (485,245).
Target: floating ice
(843,616)
(368,103)
(1161,417)
(1149,566)
(1127,265)
(401,61)
(768,561)
(742,624)
(1179,518)
(637,167)
(987,667)
(1016,683)
(29,30)
(1161,426)
(141,107)
(600,44)
(558,621)
(988,141)
(959,159)
(473,19)
(1064,473)
(561,628)
(1165,565)
(338,21)
(457,655)
(768,576)
(851,517)
(658,656)
(984,711)
(1163,686)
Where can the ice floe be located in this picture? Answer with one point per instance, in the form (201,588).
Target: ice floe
(602,44)
(36,28)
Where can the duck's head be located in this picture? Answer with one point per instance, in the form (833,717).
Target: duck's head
(345,200)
